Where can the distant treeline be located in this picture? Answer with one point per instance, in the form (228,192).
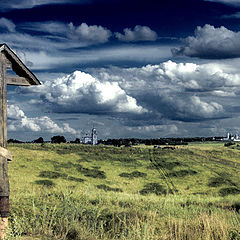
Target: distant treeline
(128,141)
(154,141)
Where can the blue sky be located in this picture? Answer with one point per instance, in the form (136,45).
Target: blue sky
(131,68)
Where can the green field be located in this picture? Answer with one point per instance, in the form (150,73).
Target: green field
(67,191)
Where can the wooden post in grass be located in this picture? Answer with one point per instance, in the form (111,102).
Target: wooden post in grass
(24,77)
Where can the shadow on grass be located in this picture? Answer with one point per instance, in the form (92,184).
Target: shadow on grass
(94,173)
(52,175)
(134,174)
(182,173)
(45,182)
(107,188)
(229,191)
(56,175)
(219,181)
(159,163)
(153,188)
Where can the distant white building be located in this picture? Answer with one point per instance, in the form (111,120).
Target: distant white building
(87,139)
(94,137)
(231,137)
(91,139)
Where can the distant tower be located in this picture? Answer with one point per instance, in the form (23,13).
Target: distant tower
(94,136)
(228,136)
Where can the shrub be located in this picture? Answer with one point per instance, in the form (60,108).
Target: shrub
(58,139)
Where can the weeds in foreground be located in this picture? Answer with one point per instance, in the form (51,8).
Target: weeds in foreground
(62,215)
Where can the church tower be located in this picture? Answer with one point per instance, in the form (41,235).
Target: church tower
(94,136)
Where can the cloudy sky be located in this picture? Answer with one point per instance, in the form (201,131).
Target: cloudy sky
(130,68)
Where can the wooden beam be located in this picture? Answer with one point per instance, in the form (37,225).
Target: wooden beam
(5,153)
(8,63)
(3,103)
(20,81)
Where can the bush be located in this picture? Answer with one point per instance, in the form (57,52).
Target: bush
(39,140)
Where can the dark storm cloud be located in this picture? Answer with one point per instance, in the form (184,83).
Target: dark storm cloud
(209,42)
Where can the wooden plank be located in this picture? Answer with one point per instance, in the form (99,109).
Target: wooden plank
(3,104)
(5,153)
(17,65)
(21,81)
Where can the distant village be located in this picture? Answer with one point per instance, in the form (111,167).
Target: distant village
(92,139)
(230,137)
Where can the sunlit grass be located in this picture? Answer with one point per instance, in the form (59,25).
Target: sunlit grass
(69,192)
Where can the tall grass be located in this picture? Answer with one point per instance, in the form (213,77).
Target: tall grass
(83,214)
(80,210)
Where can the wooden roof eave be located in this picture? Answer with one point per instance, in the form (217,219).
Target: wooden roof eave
(18,66)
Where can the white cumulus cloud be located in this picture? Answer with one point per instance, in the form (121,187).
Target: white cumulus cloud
(79,92)
(139,33)
(18,121)
(211,43)
(182,91)
(96,34)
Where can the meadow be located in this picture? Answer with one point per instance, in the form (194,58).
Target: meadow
(74,191)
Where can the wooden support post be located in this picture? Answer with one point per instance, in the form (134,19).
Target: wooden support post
(4,183)
(8,59)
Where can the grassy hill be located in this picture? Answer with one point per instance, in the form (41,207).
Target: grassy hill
(84,192)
